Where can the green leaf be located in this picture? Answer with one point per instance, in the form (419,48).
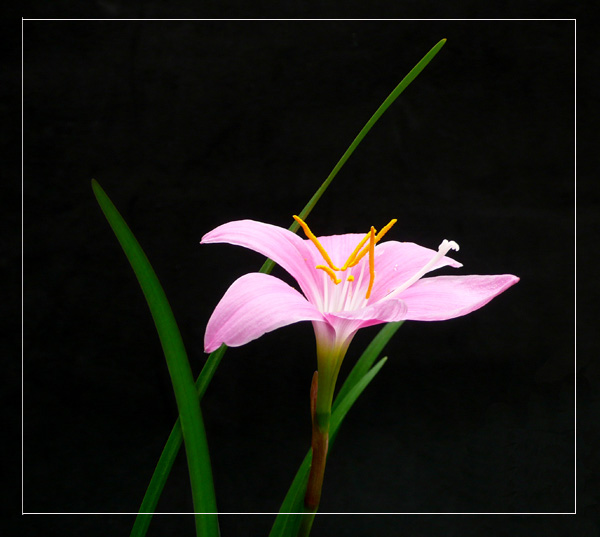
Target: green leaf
(346,403)
(203,493)
(367,359)
(170,451)
(291,511)
(404,83)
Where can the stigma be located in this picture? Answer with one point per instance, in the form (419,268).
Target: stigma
(443,249)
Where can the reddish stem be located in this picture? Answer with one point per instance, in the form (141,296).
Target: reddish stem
(320,444)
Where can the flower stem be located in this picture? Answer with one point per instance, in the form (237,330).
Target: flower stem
(320,444)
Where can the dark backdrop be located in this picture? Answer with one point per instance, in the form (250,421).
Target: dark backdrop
(188,125)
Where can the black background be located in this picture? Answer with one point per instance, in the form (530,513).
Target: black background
(190,124)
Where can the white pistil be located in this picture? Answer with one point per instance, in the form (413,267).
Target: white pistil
(443,249)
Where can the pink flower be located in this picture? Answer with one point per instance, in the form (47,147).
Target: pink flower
(378,283)
(338,302)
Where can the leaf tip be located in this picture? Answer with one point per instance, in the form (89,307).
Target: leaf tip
(96,186)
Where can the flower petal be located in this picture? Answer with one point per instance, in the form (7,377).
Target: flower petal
(279,244)
(446,297)
(396,262)
(254,305)
(385,311)
(339,247)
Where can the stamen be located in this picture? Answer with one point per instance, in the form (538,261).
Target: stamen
(355,252)
(378,237)
(310,235)
(340,298)
(330,273)
(343,296)
(371,262)
(363,253)
(325,292)
(385,229)
(358,298)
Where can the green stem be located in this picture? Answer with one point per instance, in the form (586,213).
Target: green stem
(320,446)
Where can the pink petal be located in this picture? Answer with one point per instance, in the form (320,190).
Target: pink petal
(279,244)
(396,262)
(254,305)
(339,247)
(385,311)
(446,297)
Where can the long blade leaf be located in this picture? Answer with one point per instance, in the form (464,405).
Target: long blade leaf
(179,369)
(367,359)
(170,451)
(397,91)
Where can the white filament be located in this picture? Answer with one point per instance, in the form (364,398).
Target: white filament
(357,300)
(346,296)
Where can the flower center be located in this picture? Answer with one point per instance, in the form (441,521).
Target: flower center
(361,250)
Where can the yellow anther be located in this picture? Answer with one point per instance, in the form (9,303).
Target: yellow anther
(355,252)
(364,251)
(310,235)
(378,237)
(371,262)
(330,269)
(385,229)
(330,273)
